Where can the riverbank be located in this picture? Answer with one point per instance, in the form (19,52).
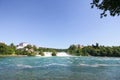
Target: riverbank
(46,54)
(12,55)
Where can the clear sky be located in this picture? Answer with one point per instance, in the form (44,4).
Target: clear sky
(56,23)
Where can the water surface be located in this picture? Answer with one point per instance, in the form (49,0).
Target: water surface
(59,68)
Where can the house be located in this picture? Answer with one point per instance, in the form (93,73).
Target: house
(22,45)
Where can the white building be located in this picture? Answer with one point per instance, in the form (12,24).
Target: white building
(22,45)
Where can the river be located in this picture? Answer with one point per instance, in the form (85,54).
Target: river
(59,68)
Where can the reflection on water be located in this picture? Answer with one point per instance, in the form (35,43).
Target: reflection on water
(59,68)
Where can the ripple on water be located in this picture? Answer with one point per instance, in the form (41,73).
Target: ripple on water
(57,68)
(45,65)
(100,65)
(24,66)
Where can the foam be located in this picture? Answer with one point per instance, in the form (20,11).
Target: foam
(108,58)
(24,66)
(62,54)
(46,65)
(99,65)
(49,54)
(54,64)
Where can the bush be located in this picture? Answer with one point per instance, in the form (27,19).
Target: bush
(54,53)
(41,53)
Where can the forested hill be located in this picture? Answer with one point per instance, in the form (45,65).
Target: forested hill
(28,49)
(75,50)
(95,50)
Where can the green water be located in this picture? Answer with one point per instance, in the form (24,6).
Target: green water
(59,68)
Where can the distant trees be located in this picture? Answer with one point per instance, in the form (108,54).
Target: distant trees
(28,47)
(76,50)
(113,6)
(95,50)
(72,49)
(28,50)
(51,49)
(6,50)
(12,46)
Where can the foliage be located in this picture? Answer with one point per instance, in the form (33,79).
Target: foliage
(54,53)
(113,6)
(51,49)
(41,53)
(12,46)
(24,52)
(75,50)
(95,50)
(6,50)
(28,47)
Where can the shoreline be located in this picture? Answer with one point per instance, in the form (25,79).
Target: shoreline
(13,55)
(55,56)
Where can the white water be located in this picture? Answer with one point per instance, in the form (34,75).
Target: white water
(60,54)
(23,66)
(100,65)
(52,68)
(47,54)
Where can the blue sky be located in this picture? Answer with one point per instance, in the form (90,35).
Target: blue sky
(56,23)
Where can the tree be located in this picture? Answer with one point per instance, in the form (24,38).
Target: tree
(53,53)
(6,50)
(34,48)
(79,52)
(29,47)
(72,49)
(113,6)
(41,53)
(13,47)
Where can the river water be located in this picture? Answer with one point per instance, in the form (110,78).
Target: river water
(59,68)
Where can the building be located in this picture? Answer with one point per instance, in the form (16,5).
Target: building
(79,46)
(22,45)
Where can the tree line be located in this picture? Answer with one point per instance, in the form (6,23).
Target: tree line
(75,50)
(95,50)
(30,50)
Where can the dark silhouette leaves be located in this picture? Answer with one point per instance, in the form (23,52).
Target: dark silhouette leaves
(113,6)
